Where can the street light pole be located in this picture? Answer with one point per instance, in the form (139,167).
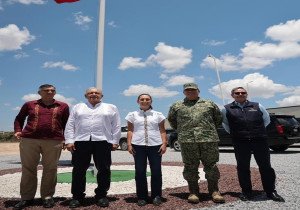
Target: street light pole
(248,88)
(218,75)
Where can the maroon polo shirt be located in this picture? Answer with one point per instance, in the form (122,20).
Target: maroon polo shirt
(43,121)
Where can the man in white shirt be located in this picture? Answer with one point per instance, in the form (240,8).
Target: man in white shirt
(93,129)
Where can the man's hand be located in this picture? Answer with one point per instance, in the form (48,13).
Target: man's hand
(18,135)
(162,149)
(114,147)
(70,147)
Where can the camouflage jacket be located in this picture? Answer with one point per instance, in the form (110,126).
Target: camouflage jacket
(195,121)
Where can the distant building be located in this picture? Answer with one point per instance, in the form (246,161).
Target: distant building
(291,110)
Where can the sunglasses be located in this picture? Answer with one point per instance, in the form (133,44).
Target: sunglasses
(240,93)
(49,90)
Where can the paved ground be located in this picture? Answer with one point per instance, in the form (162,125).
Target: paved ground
(286,165)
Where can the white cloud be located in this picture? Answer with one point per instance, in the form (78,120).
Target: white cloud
(60,64)
(59,97)
(82,21)
(112,24)
(292,100)
(12,38)
(259,86)
(21,55)
(213,42)
(257,55)
(179,80)
(49,52)
(69,101)
(17,108)
(130,62)
(163,76)
(31,96)
(285,32)
(27,2)
(289,101)
(156,92)
(172,59)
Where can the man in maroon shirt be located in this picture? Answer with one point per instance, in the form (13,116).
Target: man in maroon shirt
(42,136)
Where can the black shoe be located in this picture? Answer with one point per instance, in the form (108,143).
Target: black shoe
(157,201)
(142,203)
(22,204)
(48,203)
(103,202)
(275,197)
(246,196)
(74,204)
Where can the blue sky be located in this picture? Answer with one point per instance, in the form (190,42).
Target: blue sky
(150,46)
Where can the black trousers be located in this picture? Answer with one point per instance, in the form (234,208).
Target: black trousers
(260,149)
(81,159)
(140,160)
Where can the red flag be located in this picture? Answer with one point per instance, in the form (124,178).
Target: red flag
(65,1)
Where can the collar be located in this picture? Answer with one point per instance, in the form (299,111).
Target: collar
(147,112)
(55,102)
(241,105)
(91,106)
(191,101)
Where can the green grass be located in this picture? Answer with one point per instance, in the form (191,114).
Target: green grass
(116,176)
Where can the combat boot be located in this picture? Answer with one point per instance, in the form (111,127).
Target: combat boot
(194,192)
(217,197)
(193,198)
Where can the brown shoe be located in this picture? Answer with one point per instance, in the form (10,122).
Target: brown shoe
(217,197)
(193,198)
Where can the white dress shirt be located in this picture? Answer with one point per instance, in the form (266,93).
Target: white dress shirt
(138,120)
(99,123)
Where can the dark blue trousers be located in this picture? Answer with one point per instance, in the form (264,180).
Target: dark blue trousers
(81,159)
(260,149)
(142,153)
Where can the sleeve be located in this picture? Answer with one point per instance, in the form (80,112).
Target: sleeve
(225,122)
(130,117)
(65,116)
(266,116)
(70,127)
(217,115)
(160,117)
(172,117)
(116,126)
(20,118)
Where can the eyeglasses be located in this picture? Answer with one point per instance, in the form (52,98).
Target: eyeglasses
(50,90)
(240,93)
(190,89)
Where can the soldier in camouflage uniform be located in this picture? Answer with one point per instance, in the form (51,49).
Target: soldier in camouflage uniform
(196,121)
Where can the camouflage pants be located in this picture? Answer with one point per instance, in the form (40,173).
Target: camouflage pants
(208,154)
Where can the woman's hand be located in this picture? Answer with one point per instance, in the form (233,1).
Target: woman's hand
(130,149)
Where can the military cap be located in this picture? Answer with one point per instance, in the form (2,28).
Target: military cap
(190,86)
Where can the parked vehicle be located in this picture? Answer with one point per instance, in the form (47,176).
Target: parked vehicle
(123,140)
(283,131)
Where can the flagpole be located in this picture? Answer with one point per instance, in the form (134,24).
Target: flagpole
(100,47)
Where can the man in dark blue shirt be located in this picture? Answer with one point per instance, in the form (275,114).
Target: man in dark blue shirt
(246,122)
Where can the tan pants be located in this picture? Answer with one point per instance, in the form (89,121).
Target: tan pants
(30,152)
